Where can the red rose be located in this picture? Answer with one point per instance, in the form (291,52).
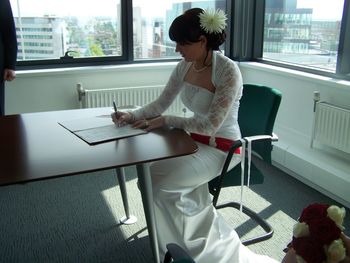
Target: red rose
(309,249)
(313,211)
(324,230)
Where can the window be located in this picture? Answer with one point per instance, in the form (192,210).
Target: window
(79,32)
(46,30)
(303,32)
(150,25)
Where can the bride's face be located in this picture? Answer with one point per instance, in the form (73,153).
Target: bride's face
(194,51)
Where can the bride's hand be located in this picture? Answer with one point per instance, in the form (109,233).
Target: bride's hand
(122,118)
(150,124)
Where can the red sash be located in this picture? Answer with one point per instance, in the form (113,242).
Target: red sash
(221,143)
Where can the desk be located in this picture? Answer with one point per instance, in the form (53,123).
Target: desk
(35,147)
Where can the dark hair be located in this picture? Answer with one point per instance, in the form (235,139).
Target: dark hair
(186,29)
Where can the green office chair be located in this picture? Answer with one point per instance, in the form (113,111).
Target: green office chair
(257,113)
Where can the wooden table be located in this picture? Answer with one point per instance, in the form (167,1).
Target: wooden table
(33,146)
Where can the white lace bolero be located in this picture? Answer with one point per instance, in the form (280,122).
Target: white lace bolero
(221,117)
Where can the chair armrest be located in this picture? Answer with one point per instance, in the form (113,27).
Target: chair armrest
(240,142)
(272,137)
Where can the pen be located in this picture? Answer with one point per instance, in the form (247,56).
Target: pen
(115,110)
(115,107)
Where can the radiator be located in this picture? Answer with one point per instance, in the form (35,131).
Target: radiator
(331,125)
(126,96)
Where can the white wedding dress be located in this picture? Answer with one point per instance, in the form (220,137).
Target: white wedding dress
(183,210)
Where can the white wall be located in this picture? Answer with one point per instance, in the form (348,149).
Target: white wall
(324,169)
(47,90)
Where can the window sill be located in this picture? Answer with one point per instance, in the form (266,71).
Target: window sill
(337,83)
(94,69)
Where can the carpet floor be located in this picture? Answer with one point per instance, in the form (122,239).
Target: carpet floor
(76,218)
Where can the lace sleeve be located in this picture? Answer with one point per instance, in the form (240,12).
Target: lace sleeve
(228,86)
(162,103)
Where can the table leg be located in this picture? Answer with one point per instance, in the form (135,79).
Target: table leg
(144,177)
(127,219)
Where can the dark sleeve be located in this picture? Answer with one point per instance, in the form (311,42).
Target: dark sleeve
(8,34)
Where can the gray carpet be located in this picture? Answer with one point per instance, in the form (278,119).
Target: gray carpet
(76,219)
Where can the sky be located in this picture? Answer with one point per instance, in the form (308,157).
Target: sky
(322,9)
(151,7)
(64,7)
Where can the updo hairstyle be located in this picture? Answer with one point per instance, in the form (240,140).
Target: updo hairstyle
(186,29)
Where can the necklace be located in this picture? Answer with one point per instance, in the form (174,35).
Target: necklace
(201,69)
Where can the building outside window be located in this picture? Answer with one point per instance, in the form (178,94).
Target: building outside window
(48,29)
(152,21)
(303,32)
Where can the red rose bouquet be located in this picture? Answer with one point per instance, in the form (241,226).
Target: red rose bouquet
(316,236)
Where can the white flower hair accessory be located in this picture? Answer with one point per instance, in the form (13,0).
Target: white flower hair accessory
(213,21)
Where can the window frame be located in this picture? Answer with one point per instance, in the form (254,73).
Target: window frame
(68,61)
(127,56)
(245,38)
(343,61)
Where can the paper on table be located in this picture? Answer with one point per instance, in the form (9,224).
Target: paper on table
(87,123)
(99,129)
(107,133)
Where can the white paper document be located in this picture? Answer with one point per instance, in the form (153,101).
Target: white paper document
(99,129)
(87,123)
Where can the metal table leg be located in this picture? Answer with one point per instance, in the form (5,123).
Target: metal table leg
(127,219)
(144,177)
